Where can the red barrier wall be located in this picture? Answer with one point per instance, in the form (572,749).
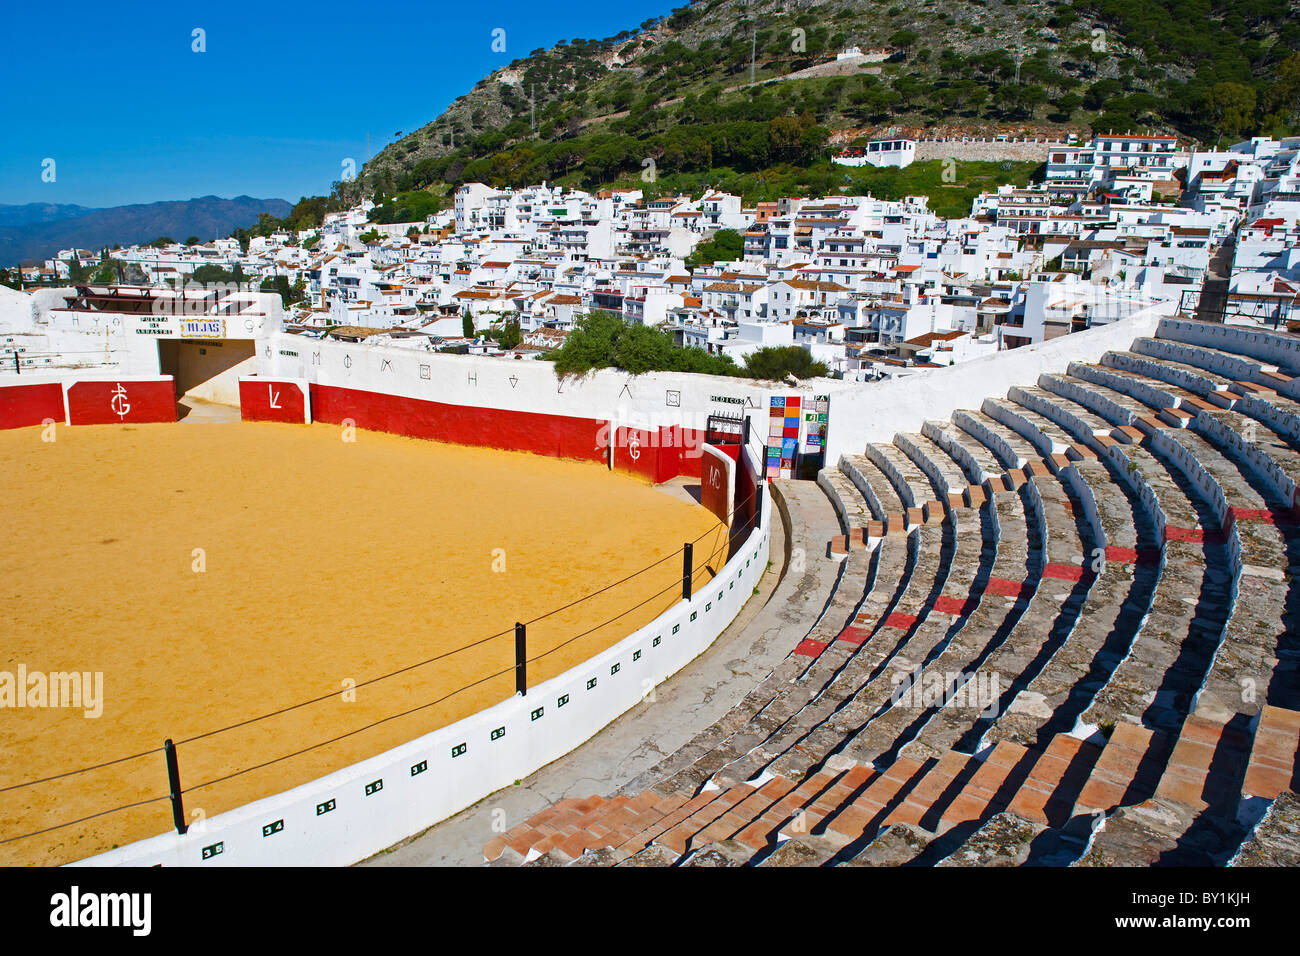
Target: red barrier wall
(679,452)
(121,402)
(270,400)
(637,452)
(748,482)
(556,436)
(23,405)
(716,482)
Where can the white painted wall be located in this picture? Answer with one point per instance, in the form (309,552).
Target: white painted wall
(650,400)
(877,410)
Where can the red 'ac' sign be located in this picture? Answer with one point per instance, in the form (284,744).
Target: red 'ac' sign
(114,402)
(716,482)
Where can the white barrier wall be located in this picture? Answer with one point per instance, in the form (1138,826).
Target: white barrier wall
(637,401)
(877,411)
(358,811)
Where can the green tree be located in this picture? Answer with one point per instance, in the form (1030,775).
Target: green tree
(1281,101)
(106,274)
(773,364)
(508,336)
(78,273)
(280,284)
(727,245)
(1233,107)
(603,339)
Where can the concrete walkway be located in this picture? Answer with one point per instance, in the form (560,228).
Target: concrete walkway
(195,411)
(769,626)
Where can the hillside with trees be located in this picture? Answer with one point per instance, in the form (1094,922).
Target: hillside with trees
(725,94)
(695,98)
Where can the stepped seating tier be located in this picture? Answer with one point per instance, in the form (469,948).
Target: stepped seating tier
(1063,632)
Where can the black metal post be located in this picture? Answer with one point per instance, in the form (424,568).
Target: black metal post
(521,659)
(758,504)
(687,571)
(174,782)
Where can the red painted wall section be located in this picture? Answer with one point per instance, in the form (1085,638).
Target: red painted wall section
(679,452)
(637,452)
(23,405)
(269,400)
(716,482)
(556,436)
(747,483)
(660,455)
(122,402)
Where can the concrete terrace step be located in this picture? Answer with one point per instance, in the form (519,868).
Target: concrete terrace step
(1259,624)
(1045,626)
(1275,840)
(1117,600)
(1002,595)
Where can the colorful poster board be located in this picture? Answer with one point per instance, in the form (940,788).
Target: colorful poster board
(784,425)
(815,417)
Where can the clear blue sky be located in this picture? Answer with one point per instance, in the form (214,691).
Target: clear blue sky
(284,93)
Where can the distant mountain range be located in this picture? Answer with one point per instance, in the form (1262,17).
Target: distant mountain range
(36,231)
(35,212)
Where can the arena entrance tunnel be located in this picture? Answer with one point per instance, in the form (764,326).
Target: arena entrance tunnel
(206,369)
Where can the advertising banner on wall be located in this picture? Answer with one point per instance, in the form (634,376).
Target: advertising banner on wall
(784,421)
(815,418)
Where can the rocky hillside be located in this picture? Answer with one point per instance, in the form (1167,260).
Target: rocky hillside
(680,90)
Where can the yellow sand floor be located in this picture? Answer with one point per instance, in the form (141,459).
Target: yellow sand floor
(323,562)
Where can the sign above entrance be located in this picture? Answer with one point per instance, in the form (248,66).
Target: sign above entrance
(203,328)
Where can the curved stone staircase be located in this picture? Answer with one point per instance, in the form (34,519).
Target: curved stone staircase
(1065,632)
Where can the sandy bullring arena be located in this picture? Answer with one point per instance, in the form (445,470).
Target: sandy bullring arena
(218,573)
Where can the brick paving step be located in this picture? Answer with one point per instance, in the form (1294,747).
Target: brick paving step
(991,788)
(1128,769)
(1271,767)
(1051,789)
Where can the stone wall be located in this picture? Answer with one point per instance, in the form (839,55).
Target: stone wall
(984,150)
